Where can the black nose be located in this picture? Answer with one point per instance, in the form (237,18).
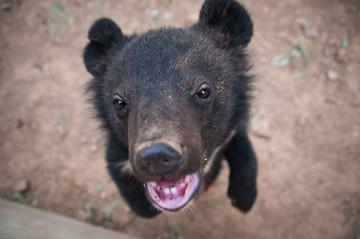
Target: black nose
(159,159)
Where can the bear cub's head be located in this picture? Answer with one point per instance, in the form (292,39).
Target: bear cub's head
(173,97)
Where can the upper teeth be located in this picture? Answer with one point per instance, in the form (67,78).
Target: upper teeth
(187,178)
(166,191)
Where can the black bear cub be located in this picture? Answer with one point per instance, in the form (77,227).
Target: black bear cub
(175,102)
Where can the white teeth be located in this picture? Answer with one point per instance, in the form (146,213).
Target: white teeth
(182,185)
(153,184)
(173,190)
(187,178)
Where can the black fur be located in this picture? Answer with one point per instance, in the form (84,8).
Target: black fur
(156,76)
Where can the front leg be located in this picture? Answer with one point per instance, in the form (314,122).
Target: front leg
(130,188)
(243,169)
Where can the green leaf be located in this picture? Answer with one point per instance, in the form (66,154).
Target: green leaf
(298,75)
(344,43)
(168,15)
(296,54)
(132,26)
(280,61)
(254,93)
(351,33)
(259,114)
(100,187)
(90,209)
(57,10)
(175,233)
(109,208)
(283,34)
(70,21)
(357,224)
(21,198)
(94,4)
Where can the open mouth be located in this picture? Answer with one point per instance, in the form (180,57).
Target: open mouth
(173,194)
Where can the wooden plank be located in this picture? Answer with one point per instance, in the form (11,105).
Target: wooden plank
(21,222)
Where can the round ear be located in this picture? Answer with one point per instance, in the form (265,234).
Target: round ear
(227,21)
(105,39)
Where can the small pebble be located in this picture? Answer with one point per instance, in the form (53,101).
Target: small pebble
(260,129)
(154,14)
(5,6)
(332,75)
(22,186)
(341,56)
(19,123)
(103,195)
(93,148)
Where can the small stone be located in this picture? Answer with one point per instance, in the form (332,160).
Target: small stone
(333,41)
(266,9)
(332,75)
(342,20)
(127,209)
(312,33)
(19,123)
(305,26)
(355,103)
(168,15)
(61,130)
(82,216)
(5,6)
(330,100)
(103,195)
(260,129)
(22,186)
(193,17)
(340,56)
(154,14)
(84,139)
(93,148)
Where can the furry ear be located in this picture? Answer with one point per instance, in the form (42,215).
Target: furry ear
(227,21)
(105,39)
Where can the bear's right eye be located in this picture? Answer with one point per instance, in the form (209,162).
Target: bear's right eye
(119,104)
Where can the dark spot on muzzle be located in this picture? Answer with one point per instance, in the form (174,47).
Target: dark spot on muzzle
(158,159)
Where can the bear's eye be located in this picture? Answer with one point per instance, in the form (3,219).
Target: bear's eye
(119,104)
(203,92)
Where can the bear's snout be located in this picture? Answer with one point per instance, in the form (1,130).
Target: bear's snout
(159,159)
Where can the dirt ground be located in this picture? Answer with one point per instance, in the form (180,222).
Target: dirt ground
(305,124)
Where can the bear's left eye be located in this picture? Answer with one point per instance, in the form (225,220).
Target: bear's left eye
(119,103)
(203,92)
